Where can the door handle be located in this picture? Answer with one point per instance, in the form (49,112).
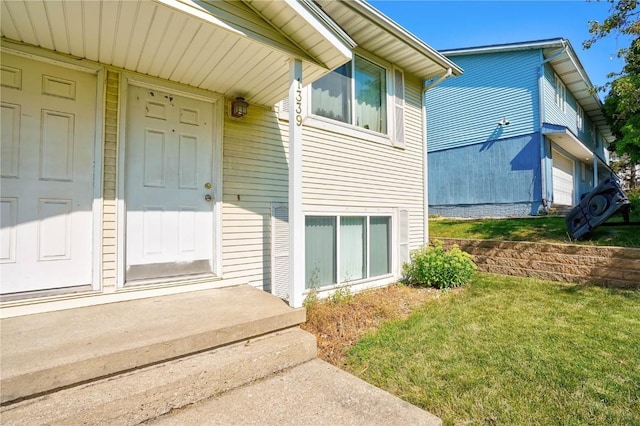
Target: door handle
(207,197)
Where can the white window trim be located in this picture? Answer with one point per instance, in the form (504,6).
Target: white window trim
(353,130)
(561,94)
(355,212)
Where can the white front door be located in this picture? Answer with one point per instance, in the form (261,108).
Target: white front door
(169,186)
(563,179)
(48,136)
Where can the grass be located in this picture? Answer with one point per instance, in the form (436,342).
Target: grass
(550,229)
(507,350)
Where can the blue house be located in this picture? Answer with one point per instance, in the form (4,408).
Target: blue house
(519,133)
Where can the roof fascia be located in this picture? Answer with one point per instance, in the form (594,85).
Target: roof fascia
(399,32)
(537,44)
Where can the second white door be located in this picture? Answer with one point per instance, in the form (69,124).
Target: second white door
(169,186)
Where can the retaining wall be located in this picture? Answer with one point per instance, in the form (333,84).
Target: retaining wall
(607,266)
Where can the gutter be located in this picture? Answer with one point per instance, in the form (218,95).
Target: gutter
(546,204)
(425,164)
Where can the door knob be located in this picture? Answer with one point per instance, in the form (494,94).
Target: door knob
(207,197)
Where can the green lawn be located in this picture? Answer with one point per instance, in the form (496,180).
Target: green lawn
(510,350)
(539,229)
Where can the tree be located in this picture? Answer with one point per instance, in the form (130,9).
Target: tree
(622,103)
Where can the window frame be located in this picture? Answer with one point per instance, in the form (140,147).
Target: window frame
(561,94)
(391,243)
(579,117)
(349,129)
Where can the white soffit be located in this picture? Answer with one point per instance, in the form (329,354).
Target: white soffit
(571,144)
(378,34)
(225,47)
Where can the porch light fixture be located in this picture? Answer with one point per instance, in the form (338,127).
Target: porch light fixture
(239,107)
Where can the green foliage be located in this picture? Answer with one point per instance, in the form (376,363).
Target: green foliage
(634,197)
(311,299)
(623,19)
(341,295)
(622,108)
(436,267)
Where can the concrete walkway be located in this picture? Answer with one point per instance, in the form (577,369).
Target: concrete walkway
(314,393)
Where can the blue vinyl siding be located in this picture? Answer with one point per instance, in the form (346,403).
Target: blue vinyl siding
(466,109)
(553,114)
(500,172)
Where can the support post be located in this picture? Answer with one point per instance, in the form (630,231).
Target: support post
(296,217)
(595,171)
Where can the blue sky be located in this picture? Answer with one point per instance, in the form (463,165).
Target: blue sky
(453,24)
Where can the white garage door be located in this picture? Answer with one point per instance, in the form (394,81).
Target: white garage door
(48,134)
(563,179)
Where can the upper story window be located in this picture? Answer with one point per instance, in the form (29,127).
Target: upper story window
(561,94)
(579,117)
(355,93)
(594,135)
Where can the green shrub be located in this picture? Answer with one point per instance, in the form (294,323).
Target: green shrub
(434,266)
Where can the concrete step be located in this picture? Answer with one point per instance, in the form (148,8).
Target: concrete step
(146,393)
(45,352)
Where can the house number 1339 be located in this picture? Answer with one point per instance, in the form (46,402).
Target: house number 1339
(298,103)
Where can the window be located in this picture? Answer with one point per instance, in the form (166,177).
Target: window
(593,133)
(355,93)
(579,117)
(340,249)
(561,94)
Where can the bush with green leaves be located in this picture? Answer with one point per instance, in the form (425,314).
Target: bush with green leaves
(434,266)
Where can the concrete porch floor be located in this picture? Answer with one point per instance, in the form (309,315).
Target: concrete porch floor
(225,356)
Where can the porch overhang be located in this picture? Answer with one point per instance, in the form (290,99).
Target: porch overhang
(566,140)
(233,48)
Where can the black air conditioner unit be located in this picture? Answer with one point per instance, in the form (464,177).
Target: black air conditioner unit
(595,207)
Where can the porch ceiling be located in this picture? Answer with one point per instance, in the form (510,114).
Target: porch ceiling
(233,48)
(567,141)
(378,34)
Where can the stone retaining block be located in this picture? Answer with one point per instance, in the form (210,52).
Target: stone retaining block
(606,266)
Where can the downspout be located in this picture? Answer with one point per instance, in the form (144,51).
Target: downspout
(543,170)
(425,165)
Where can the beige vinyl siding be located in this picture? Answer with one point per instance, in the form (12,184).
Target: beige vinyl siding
(255,174)
(109,202)
(343,171)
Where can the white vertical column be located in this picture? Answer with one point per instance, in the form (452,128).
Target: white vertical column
(595,170)
(296,218)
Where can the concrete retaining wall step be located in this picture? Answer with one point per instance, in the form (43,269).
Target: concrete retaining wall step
(608,266)
(147,393)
